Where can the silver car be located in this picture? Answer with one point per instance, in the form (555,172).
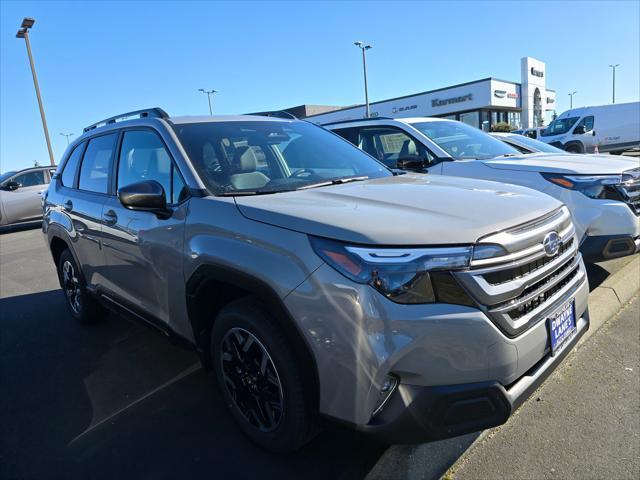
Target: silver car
(314,281)
(21,194)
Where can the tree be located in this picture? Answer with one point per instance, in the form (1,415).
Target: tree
(501,127)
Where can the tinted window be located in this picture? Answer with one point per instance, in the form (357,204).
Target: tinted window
(29,179)
(143,157)
(70,168)
(6,175)
(271,156)
(94,172)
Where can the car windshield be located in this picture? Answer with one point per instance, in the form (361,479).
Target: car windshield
(462,141)
(559,126)
(535,145)
(258,157)
(6,175)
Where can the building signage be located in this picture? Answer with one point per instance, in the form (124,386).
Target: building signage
(551,100)
(500,93)
(436,102)
(403,109)
(512,95)
(537,73)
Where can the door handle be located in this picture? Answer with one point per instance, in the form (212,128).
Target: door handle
(68,205)
(110,217)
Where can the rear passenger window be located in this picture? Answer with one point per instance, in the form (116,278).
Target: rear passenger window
(69,173)
(94,172)
(143,157)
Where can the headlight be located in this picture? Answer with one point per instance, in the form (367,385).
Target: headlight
(593,186)
(403,275)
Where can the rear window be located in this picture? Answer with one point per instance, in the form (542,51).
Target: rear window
(94,172)
(71,167)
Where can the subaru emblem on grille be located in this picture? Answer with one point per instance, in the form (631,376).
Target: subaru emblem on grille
(551,243)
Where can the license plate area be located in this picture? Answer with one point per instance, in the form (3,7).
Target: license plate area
(562,327)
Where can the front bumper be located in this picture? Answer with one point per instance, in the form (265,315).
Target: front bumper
(606,247)
(417,414)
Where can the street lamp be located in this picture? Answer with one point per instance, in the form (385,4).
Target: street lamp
(209,93)
(67,135)
(27,23)
(614,81)
(364,49)
(571,97)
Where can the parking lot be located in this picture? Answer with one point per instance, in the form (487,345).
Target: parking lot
(114,398)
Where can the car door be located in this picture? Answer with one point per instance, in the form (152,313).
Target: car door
(143,249)
(586,133)
(84,201)
(25,202)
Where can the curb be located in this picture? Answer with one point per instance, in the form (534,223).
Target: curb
(606,299)
(604,302)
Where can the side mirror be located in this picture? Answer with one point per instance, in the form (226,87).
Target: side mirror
(593,132)
(411,162)
(579,130)
(12,185)
(147,196)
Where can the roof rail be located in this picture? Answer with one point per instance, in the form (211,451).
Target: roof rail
(277,114)
(356,120)
(154,112)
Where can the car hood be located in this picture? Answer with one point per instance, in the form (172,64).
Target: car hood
(409,209)
(565,163)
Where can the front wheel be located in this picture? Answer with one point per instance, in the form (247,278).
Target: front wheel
(573,149)
(260,377)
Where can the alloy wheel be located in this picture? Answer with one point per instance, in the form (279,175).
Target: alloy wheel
(71,286)
(251,379)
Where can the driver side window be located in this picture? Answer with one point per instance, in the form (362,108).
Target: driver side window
(587,123)
(390,144)
(143,157)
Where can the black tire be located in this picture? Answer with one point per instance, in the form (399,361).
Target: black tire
(82,305)
(617,152)
(573,148)
(265,393)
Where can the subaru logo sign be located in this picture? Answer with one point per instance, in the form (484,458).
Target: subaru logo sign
(551,243)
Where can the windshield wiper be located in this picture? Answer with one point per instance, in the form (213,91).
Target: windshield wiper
(335,181)
(508,155)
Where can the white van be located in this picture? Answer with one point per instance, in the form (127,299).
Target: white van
(613,128)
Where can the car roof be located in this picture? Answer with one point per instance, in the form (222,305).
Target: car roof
(226,118)
(408,120)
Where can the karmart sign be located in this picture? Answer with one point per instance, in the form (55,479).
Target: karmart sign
(537,73)
(436,102)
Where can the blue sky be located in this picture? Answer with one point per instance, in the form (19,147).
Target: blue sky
(97,59)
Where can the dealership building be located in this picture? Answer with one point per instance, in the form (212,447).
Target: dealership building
(481,103)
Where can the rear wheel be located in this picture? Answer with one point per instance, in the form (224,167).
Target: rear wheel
(82,306)
(260,377)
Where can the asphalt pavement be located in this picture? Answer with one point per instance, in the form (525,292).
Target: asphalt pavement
(117,399)
(583,423)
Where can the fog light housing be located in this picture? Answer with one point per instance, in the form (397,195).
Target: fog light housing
(387,388)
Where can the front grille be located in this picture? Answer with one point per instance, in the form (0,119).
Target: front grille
(630,189)
(502,276)
(538,299)
(524,286)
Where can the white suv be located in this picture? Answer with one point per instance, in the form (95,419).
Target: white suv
(602,192)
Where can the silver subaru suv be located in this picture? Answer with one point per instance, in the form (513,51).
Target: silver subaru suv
(314,281)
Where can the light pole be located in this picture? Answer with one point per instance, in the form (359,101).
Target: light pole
(614,81)
(27,23)
(571,98)
(209,93)
(364,49)
(67,135)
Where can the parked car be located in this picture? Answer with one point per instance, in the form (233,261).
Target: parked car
(603,193)
(526,144)
(313,280)
(535,132)
(21,194)
(613,128)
